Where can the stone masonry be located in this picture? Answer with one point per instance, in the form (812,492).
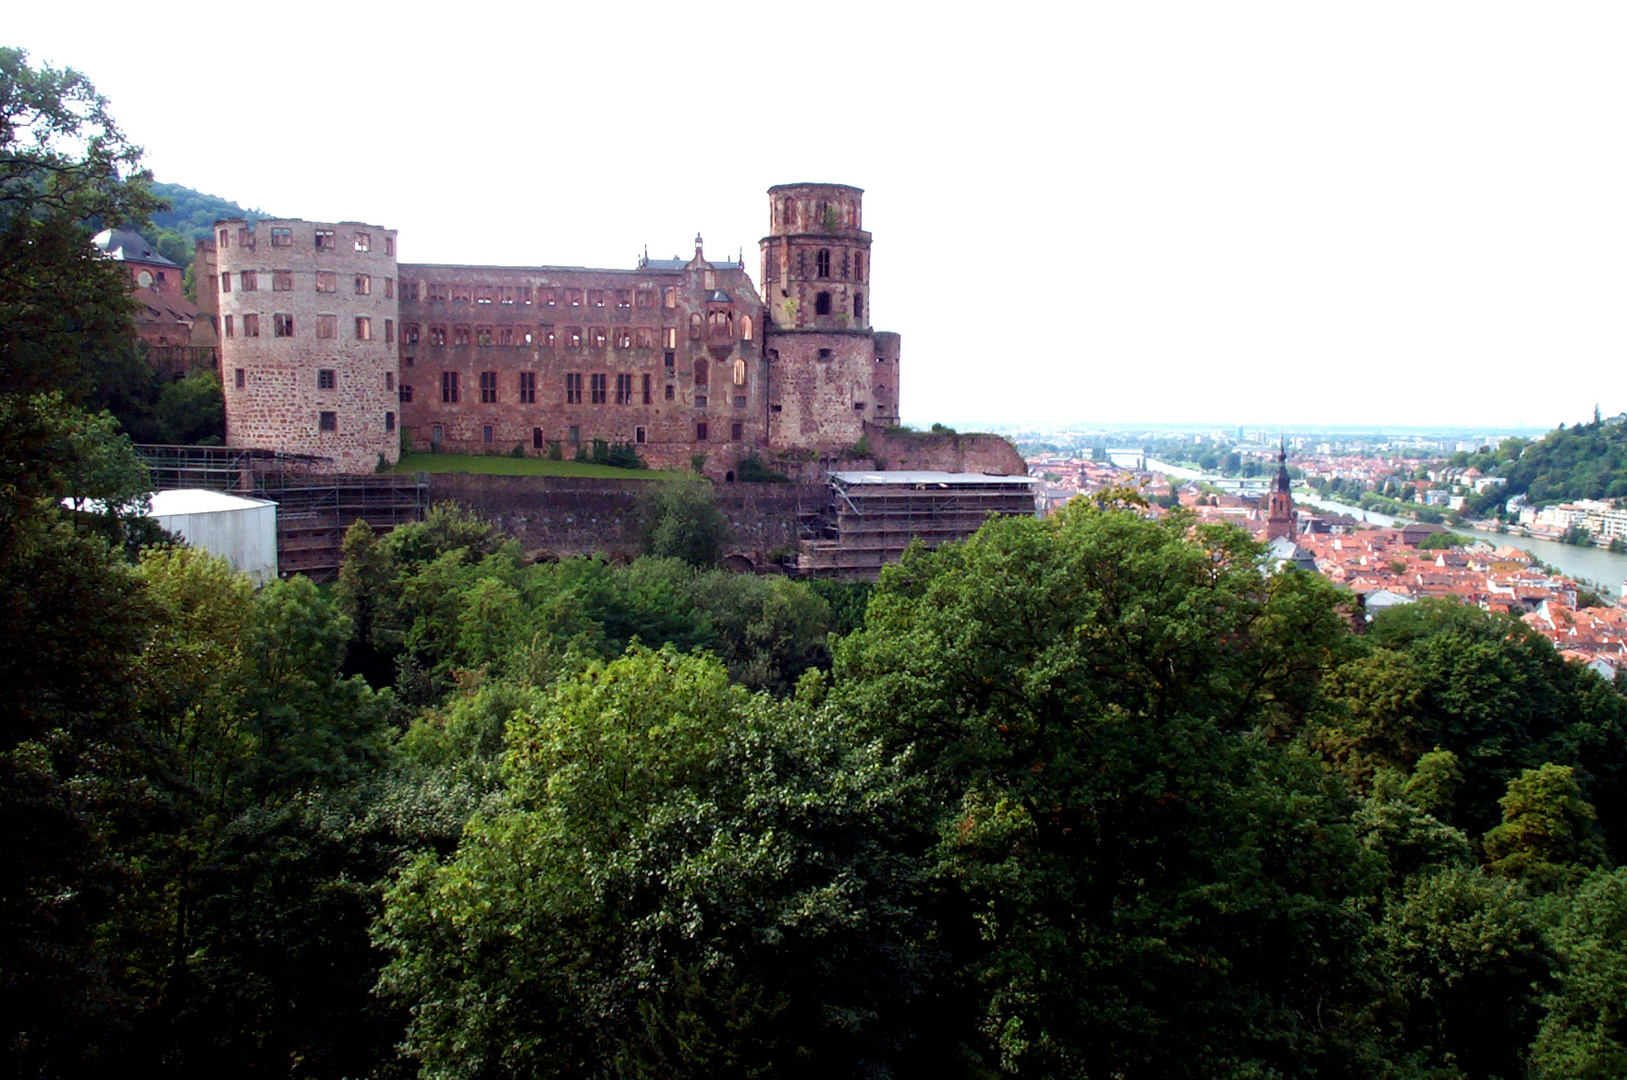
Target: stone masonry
(308,316)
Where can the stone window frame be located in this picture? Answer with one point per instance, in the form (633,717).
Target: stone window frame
(598,337)
(822,264)
(822,303)
(364,328)
(488,388)
(327,379)
(624,388)
(327,420)
(240,378)
(644,299)
(362,241)
(671,393)
(462,334)
(624,299)
(528,388)
(248,281)
(282,324)
(251,324)
(646,388)
(573,388)
(389,421)
(226,325)
(389,331)
(327,281)
(701,431)
(282,281)
(225,281)
(599,388)
(364,285)
(326,240)
(669,337)
(405,393)
(437,333)
(485,337)
(596,298)
(573,337)
(669,297)
(449,388)
(623,336)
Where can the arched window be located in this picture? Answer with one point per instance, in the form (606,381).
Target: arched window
(822,304)
(858,305)
(721,327)
(695,326)
(700,372)
(745,328)
(740,373)
(822,263)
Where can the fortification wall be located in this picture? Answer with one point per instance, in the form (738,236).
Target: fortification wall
(569,516)
(893,449)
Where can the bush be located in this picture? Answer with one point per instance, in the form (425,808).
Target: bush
(518,451)
(697,462)
(556,450)
(582,452)
(751,470)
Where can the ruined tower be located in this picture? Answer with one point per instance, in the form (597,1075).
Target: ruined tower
(1280,507)
(828,372)
(307,334)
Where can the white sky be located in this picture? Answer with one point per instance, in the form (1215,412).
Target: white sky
(1263,213)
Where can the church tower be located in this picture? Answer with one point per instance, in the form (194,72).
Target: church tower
(828,372)
(1280,508)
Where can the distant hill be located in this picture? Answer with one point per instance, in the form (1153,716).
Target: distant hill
(1588,461)
(191,217)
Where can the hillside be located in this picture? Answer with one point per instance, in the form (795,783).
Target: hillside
(191,217)
(1588,461)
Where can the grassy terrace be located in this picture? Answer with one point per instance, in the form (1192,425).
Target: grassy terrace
(503,465)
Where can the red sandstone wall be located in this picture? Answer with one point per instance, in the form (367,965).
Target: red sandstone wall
(973,453)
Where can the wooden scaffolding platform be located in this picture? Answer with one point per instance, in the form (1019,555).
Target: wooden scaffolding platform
(870,518)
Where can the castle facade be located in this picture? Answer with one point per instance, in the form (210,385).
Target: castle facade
(331,348)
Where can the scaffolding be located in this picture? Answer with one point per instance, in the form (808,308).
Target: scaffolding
(870,518)
(314,510)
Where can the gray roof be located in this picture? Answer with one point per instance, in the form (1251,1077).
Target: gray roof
(126,245)
(718,296)
(923,477)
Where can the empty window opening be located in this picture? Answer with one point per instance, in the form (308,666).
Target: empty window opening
(737,431)
(389,331)
(624,389)
(364,328)
(225,238)
(858,266)
(325,281)
(646,389)
(326,379)
(695,326)
(858,305)
(487,434)
(574,433)
(701,372)
(745,328)
(822,263)
(844,265)
(669,297)
(389,380)
(409,333)
(389,421)
(824,354)
(436,434)
(240,377)
(325,240)
(488,387)
(406,393)
(250,282)
(226,325)
(536,438)
(638,435)
(282,325)
(251,325)
(327,421)
(600,387)
(389,245)
(671,392)
(573,388)
(624,298)
(226,281)
(700,431)
(822,304)
(528,387)
(364,285)
(460,334)
(449,387)
(363,241)
(669,338)
(282,281)
(327,326)
(437,334)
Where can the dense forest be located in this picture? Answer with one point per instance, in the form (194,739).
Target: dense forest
(1090,796)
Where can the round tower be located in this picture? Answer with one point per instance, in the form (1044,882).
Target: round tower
(307,327)
(827,374)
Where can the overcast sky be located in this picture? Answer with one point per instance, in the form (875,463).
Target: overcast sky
(1396,213)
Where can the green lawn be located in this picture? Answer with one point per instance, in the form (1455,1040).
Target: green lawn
(503,465)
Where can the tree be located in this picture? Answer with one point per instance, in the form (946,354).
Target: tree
(1547,838)
(1090,699)
(1582,1034)
(689,882)
(682,521)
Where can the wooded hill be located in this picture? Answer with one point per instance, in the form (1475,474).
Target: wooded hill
(190,217)
(1588,461)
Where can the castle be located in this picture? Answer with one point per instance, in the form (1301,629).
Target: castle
(331,348)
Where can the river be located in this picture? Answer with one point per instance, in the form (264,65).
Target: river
(1595,566)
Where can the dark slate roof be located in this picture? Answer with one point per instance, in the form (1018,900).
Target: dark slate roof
(679,264)
(127,246)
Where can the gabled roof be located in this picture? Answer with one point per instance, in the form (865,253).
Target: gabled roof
(124,245)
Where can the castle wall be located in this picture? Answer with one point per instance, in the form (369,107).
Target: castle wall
(897,450)
(566,516)
(308,351)
(666,356)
